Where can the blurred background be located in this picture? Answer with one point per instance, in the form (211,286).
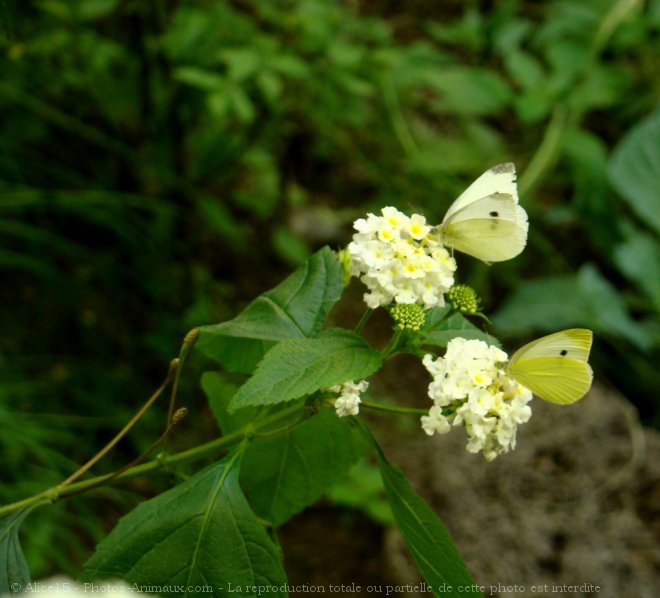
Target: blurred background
(161,163)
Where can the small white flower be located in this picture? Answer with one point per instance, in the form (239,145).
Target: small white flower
(348,402)
(400,259)
(435,422)
(471,384)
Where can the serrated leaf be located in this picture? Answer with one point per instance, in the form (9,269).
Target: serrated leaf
(424,534)
(296,308)
(634,172)
(282,475)
(440,329)
(200,533)
(298,367)
(14,571)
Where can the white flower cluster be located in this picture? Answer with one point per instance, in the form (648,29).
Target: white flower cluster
(470,388)
(401,259)
(348,402)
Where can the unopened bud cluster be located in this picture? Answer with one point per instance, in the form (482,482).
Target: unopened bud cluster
(408,316)
(464,299)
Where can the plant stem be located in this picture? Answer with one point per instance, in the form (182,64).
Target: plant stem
(399,124)
(547,153)
(392,344)
(187,345)
(363,320)
(565,115)
(393,408)
(174,366)
(193,454)
(174,421)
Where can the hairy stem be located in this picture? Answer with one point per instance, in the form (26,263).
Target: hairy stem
(193,454)
(394,408)
(174,366)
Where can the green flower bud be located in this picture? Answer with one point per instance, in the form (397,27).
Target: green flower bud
(464,299)
(408,316)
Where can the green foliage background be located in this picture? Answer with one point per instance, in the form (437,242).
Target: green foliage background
(163,162)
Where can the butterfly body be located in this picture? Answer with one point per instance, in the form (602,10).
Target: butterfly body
(486,221)
(555,367)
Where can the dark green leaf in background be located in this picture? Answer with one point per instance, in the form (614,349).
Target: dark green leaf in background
(639,259)
(298,367)
(4,19)
(634,170)
(95,9)
(200,533)
(470,90)
(585,299)
(296,308)
(14,571)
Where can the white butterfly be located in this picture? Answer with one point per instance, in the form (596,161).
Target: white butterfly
(555,367)
(486,221)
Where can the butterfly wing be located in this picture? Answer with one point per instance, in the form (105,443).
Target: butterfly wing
(498,179)
(555,367)
(486,221)
(492,229)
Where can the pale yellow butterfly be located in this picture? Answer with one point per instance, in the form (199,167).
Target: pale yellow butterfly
(555,367)
(486,221)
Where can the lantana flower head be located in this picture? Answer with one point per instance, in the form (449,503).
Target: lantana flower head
(348,402)
(470,388)
(400,259)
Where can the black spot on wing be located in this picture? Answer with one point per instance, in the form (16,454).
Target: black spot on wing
(494,214)
(563,352)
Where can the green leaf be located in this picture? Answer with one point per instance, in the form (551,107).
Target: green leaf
(298,367)
(96,9)
(362,489)
(200,533)
(242,62)
(639,259)
(524,68)
(284,474)
(5,19)
(425,535)
(296,308)
(200,78)
(219,392)
(586,299)
(14,571)
(633,169)
(439,331)
(472,91)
